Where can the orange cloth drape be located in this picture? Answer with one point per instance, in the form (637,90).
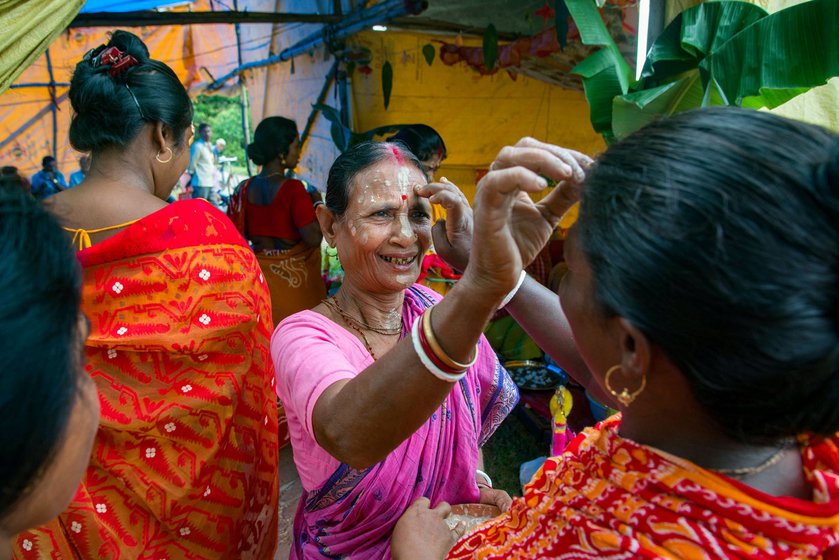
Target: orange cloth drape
(608,497)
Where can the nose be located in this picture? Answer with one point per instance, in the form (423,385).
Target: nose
(402,234)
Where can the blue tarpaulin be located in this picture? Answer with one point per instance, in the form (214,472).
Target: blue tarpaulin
(126,5)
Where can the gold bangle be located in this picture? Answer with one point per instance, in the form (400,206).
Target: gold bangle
(438,350)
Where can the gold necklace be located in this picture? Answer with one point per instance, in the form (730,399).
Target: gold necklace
(359,323)
(272,174)
(773,459)
(332,303)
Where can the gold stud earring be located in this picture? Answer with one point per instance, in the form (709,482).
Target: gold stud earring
(624,397)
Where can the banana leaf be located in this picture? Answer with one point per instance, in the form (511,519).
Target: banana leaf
(717,53)
(605,73)
(634,110)
(692,35)
(779,57)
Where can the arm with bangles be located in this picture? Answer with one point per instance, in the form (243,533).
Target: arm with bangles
(504,212)
(535,307)
(387,402)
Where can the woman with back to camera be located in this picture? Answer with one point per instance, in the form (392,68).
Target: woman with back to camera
(280,220)
(703,294)
(390,390)
(49,410)
(185,461)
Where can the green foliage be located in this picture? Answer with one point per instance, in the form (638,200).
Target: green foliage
(224,115)
(343,137)
(716,53)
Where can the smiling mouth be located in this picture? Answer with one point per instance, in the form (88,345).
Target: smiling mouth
(401,261)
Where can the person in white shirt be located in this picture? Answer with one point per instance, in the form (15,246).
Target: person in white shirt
(202,163)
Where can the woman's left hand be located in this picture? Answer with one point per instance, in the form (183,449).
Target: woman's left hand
(452,236)
(493,497)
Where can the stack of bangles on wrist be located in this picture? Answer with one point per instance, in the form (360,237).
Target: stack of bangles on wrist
(432,356)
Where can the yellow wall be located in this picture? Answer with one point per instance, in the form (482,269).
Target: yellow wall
(476,115)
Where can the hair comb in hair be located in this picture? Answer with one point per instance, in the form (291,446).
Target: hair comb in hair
(118,60)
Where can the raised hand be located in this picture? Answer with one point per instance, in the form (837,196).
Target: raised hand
(509,228)
(453,236)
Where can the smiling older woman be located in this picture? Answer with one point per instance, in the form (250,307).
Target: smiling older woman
(389,391)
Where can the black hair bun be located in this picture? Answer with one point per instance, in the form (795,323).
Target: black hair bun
(130,44)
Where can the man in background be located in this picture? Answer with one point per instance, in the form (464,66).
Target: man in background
(48,180)
(77,177)
(202,163)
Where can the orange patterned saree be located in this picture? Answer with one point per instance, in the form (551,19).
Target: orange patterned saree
(608,497)
(185,463)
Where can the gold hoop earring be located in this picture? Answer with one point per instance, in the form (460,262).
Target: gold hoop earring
(171,155)
(624,397)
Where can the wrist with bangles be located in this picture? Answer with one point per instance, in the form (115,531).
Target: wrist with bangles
(432,355)
(509,297)
(483,479)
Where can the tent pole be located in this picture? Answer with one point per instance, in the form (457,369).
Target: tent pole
(243,93)
(310,122)
(54,105)
(349,25)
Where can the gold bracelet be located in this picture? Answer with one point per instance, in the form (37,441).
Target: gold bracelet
(438,350)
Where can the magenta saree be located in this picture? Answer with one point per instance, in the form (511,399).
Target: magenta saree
(351,513)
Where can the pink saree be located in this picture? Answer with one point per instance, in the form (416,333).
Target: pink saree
(350,513)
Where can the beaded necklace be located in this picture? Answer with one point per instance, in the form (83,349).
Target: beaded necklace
(357,325)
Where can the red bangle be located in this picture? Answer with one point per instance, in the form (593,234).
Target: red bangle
(433,357)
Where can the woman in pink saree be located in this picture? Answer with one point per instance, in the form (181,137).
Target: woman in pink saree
(390,390)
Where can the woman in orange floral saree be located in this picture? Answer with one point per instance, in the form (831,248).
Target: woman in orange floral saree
(185,462)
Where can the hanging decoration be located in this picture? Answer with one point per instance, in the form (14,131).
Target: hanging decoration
(490,47)
(428,52)
(387,82)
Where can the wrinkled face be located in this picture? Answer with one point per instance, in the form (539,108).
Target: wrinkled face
(58,483)
(431,167)
(577,297)
(386,229)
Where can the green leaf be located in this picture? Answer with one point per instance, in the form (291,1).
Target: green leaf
(340,133)
(561,22)
(428,52)
(601,84)
(593,32)
(632,111)
(387,82)
(693,34)
(490,47)
(779,56)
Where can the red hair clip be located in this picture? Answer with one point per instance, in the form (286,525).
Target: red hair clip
(119,61)
(123,64)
